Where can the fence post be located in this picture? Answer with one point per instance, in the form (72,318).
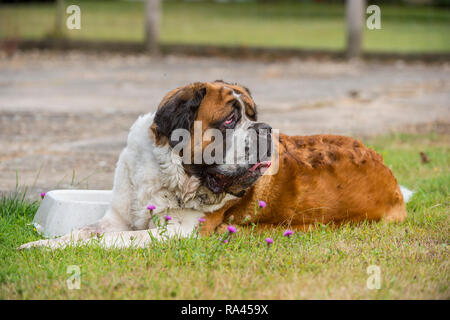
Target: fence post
(355,23)
(152,18)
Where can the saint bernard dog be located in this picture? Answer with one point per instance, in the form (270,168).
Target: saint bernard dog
(319,179)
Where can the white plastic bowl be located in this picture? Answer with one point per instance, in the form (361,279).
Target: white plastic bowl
(62,211)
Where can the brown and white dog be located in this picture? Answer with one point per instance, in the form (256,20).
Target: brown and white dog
(319,179)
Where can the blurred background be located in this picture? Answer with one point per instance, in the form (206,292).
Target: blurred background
(69,96)
(408,25)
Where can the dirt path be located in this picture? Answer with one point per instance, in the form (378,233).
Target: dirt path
(66,117)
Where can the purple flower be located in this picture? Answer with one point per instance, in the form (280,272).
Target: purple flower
(269,241)
(151,207)
(201,220)
(225,241)
(262,204)
(231,229)
(42,195)
(288,233)
(167,218)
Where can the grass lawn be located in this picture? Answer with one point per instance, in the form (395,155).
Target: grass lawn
(412,256)
(278,24)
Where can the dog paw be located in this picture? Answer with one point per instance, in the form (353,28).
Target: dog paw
(74,238)
(222,228)
(34,244)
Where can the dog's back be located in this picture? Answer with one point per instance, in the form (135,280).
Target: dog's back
(323,179)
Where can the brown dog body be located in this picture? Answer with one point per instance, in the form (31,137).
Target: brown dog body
(321,179)
(304,181)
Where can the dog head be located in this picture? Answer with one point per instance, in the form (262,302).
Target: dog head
(226,147)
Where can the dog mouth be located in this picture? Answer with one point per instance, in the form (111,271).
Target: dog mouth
(261,167)
(218,182)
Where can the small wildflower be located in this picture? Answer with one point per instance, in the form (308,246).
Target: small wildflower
(231,229)
(167,218)
(269,241)
(151,207)
(262,204)
(225,241)
(42,195)
(201,220)
(288,233)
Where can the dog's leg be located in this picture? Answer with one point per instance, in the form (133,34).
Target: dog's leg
(111,240)
(178,227)
(141,238)
(127,239)
(215,220)
(114,239)
(260,227)
(112,221)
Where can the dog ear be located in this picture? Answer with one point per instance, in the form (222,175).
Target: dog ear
(178,112)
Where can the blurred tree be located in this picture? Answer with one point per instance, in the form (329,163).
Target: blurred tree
(355,10)
(152,20)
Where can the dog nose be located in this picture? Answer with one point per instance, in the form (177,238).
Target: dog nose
(262,128)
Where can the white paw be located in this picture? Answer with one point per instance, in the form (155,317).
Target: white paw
(73,238)
(34,244)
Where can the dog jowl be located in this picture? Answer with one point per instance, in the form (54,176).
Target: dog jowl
(214,127)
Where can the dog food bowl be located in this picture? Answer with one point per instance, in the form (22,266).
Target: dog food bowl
(62,211)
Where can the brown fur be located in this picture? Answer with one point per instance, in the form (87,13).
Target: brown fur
(215,106)
(321,179)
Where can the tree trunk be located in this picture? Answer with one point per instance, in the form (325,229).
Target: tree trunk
(355,23)
(152,19)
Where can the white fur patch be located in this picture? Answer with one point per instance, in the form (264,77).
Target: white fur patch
(146,174)
(407,194)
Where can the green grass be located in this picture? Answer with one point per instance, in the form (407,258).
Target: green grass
(326,263)
(276,24)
